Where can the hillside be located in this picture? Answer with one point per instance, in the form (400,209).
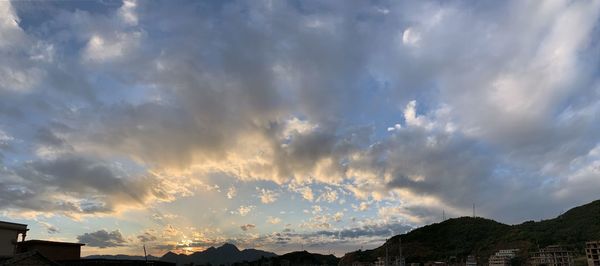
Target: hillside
(295,258)
(482,237)
(225,254)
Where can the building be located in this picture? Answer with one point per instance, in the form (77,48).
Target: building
(28,259)
(592,252)
(471,261)
(552,256)
(56,251)
(503,257)
(110,262)
(9,235)
(380,262)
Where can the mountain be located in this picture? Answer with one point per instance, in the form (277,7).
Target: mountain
(295,258)
(482,237)
(225,254)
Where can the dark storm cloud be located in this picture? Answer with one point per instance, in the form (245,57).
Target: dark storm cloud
(102,239)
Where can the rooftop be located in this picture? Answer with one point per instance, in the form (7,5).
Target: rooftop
(46,242)
(13,226)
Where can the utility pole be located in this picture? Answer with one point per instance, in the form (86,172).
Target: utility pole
(443,215)
(473,210)
(145,255)
(400,258)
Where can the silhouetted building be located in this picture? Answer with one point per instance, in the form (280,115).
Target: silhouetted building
(552,256)
(109,262)
(28,259)
(503,257)
(56,251)
(9,235)
(592,252)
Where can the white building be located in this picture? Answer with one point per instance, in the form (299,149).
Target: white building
(592,252)
(552,256)
(9,235)
(503,257)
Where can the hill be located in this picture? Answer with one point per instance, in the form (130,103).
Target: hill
(225,254)
(295,258)
(464,236)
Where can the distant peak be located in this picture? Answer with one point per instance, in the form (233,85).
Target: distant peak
(228,246)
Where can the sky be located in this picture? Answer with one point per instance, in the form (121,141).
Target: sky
(327,126)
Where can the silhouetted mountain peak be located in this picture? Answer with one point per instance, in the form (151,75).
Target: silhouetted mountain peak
(225,254)
(228,247)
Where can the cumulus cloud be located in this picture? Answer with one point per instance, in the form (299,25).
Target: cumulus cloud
(102,239)
(273,220)
(329,195)
(268,196)
(231,192)
(244,210)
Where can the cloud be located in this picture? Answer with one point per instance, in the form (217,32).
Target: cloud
(268,196)
(329,195)
(307,193)
(231,192)
(247,227)
(51,229)
(102,239)
(112,108)
(77,185)
(147,237)
(273,220)
(244,210)
(363,206)
(370,230)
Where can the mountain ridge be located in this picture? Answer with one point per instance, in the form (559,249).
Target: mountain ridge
(225,254)
(459,237)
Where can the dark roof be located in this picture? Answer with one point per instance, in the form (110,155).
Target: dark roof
(28,255)
(46,242)
(119,262)
(14,226)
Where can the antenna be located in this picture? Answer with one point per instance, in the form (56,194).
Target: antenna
(400,247)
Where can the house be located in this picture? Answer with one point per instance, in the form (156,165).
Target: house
(56,251)
(9,235)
